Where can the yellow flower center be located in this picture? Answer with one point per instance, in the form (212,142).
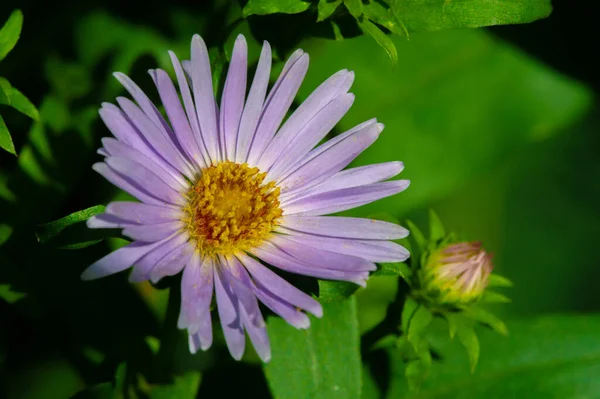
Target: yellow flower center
(229,209)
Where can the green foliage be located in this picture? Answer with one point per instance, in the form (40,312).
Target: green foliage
(380,37)
(330,291)
(428,105)
(264,7)
(9,35)
(10,296)
(306,363)
(326,8)
(70,232)
(10,32)
(547,357)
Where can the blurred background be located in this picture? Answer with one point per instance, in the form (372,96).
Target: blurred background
(498,130)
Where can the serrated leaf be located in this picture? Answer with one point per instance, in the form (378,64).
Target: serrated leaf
(71,232)
(421,16)
(394,269)
(485,317)
(495,280)
(9,295)
(265,7)
(5,139)
(468,338)
(355,7)
(326,8)
(436,228)
(10,32)
(381,38)
(306,363)
(332,291)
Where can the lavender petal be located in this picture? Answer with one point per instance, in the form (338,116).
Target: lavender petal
(228,308)
(254,104)
(196,296)
(118,260)
(345,227)
(279,287)
(343,199)
(125,184)
(140,213)
(152,232)
(232,101)
(144,265)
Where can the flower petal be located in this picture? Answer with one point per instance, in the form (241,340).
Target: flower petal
(343,199)
(196,296)
(118,260)
(122,150)
(177,116)
(232,101)
(374,250)
(140,213)
(143,266)
(107,221)
(151,183)
(345,227)
(189,106)
(284,261)
(277,104)
(322,258)
(173,262)
(310,135)
(331,161)
(279,287)
(152,232)
(203,97)
(229,313)
(289,313)
(337,85)
(125,184)
(353,177)
(254,104)
(161,144)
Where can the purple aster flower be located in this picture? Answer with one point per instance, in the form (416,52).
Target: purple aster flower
(225,190)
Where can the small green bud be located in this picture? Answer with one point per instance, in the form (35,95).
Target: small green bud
(456,274)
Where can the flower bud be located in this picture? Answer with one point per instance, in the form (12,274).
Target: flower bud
(456,274)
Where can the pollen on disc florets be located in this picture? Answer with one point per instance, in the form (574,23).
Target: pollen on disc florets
(230,209)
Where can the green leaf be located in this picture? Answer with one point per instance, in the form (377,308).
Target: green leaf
(468,338)
(337,33)
(14,98)
(70,81)
(5,232)
(5,139)
(417,326)
(355,7)
(71,232)
(384,16)
(380,37)
(483,316)
(265,7)
(308,363)
(495,280)
(430,98)
(417,235)
(494,297)
(331,291)
(10,32)
(394,269)
(326,8)
(9,295)
(430,15)
(546,357)
(436,228)
(184,387)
